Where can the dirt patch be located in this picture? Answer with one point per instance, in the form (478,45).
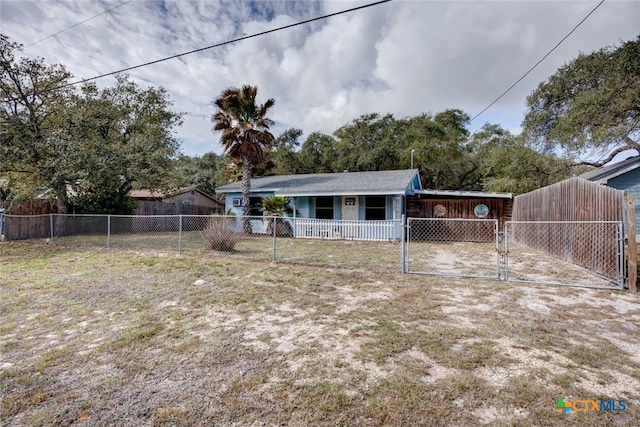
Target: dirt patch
(483,260)
(139,340)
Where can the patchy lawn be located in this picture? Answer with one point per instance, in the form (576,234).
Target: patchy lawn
(323,253)
(128,338)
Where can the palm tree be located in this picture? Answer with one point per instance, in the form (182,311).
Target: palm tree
(245,132)
(274,207)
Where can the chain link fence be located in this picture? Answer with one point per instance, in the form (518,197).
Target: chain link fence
(453,247)
(352,244)
(571,253)
(565,253)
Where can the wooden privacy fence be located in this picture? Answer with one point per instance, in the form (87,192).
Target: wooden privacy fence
(163,214)
(151,207)
(22,227)
(575,200)
(31,207)
(27,227)
(32,219)
(145,207)
(424,206)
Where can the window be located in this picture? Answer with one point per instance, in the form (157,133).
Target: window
(255,204)
(324,207)
(375,207)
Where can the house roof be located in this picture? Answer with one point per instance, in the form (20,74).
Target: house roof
(148,194)
(319,184)
(458,193)
(603,174)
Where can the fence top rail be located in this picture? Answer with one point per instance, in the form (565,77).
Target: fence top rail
(115,216)
(80,215)
(25,216)
(367,221)
(454,219)
(235,217)
(112,216)
(156,216)
(563,222)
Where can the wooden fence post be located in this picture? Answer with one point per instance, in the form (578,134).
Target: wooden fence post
(631,242)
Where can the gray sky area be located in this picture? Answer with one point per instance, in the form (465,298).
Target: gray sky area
(402,57)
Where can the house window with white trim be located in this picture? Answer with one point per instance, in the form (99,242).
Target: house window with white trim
(324,207)
(375,208)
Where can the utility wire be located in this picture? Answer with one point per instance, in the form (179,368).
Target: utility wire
(538,63)
(79,23)
(225,43)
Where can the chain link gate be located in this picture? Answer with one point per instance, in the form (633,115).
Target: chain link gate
(574,253)
(453,247)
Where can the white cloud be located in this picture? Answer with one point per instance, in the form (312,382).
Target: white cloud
(404,57)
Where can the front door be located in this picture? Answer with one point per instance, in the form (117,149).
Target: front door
(350,208)
(350,212)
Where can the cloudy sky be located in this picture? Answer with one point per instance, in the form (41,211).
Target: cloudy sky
(402,57)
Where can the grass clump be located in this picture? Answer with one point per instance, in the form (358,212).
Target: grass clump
(221,234)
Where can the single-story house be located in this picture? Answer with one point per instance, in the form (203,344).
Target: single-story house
(190,200)
(624,175)
(347,196)
(378,195)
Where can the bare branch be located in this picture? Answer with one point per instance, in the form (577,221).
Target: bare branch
(607,160)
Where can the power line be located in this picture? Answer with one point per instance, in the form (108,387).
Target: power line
(538,63)
(225,43)
(79,23)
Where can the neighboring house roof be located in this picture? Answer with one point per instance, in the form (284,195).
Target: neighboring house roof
(148,194)
(603,174)
(319,184)
(458,193)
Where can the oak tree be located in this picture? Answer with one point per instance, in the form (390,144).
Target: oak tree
(590,105)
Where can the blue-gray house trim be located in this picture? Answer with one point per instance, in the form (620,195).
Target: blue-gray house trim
(624,175)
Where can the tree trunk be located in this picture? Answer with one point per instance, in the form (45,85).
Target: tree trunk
(246,190)
(62,208)
(124,188)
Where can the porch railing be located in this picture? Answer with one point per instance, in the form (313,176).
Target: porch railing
(305,228)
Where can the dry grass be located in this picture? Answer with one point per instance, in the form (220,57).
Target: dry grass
(127,338)
(457,259)
(383,256)
(220,234)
